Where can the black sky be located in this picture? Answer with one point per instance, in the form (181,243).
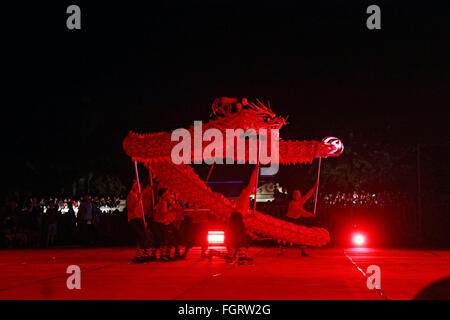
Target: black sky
(72,96)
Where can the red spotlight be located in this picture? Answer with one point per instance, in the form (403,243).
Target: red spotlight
(216,237)
(359,239)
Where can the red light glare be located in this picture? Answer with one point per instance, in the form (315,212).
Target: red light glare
(216,237)
(359,239)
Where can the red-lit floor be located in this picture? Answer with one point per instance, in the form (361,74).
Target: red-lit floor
(325,274)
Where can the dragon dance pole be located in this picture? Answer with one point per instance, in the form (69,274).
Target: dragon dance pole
(209,173)
(257,175)
(317,189)
(151,186)
(139,189)
(256,187)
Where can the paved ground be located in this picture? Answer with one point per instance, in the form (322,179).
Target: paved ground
(325,274)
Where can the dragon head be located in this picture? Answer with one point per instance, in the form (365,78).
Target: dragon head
(231,113)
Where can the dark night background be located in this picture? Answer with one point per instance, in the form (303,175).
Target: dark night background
(73,95)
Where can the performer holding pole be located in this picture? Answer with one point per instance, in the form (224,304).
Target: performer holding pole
(140,194)
(242,204)
(295,209)
(136,218)
(135,214)
(297,214)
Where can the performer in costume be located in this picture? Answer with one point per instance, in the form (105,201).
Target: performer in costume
(243,202)
(164,215)
(295,209)
(147,195)
(297,214)
(184,236)
(199,231)
(135,218)
(172,221)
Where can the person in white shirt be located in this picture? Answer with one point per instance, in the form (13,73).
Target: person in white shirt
(295,209)
(297,214)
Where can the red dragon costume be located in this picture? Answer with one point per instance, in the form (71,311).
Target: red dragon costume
(154,151)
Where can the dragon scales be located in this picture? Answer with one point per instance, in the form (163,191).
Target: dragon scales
(154,151)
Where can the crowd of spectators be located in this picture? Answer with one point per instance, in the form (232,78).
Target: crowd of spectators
(335,202)
(351,198)
(365,198)
(27,222)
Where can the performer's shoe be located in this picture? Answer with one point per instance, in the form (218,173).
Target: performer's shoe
(241,255)
(147,257)
(138,257)
(177,254)
(202,256)
(136,260)
(304,254)
(183,256)
(211,253)
(165,254)
(240,260)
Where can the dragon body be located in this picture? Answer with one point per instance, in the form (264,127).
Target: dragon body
(154,151)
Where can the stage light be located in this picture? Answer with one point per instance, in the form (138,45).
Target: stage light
(359,239)
(216,237)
